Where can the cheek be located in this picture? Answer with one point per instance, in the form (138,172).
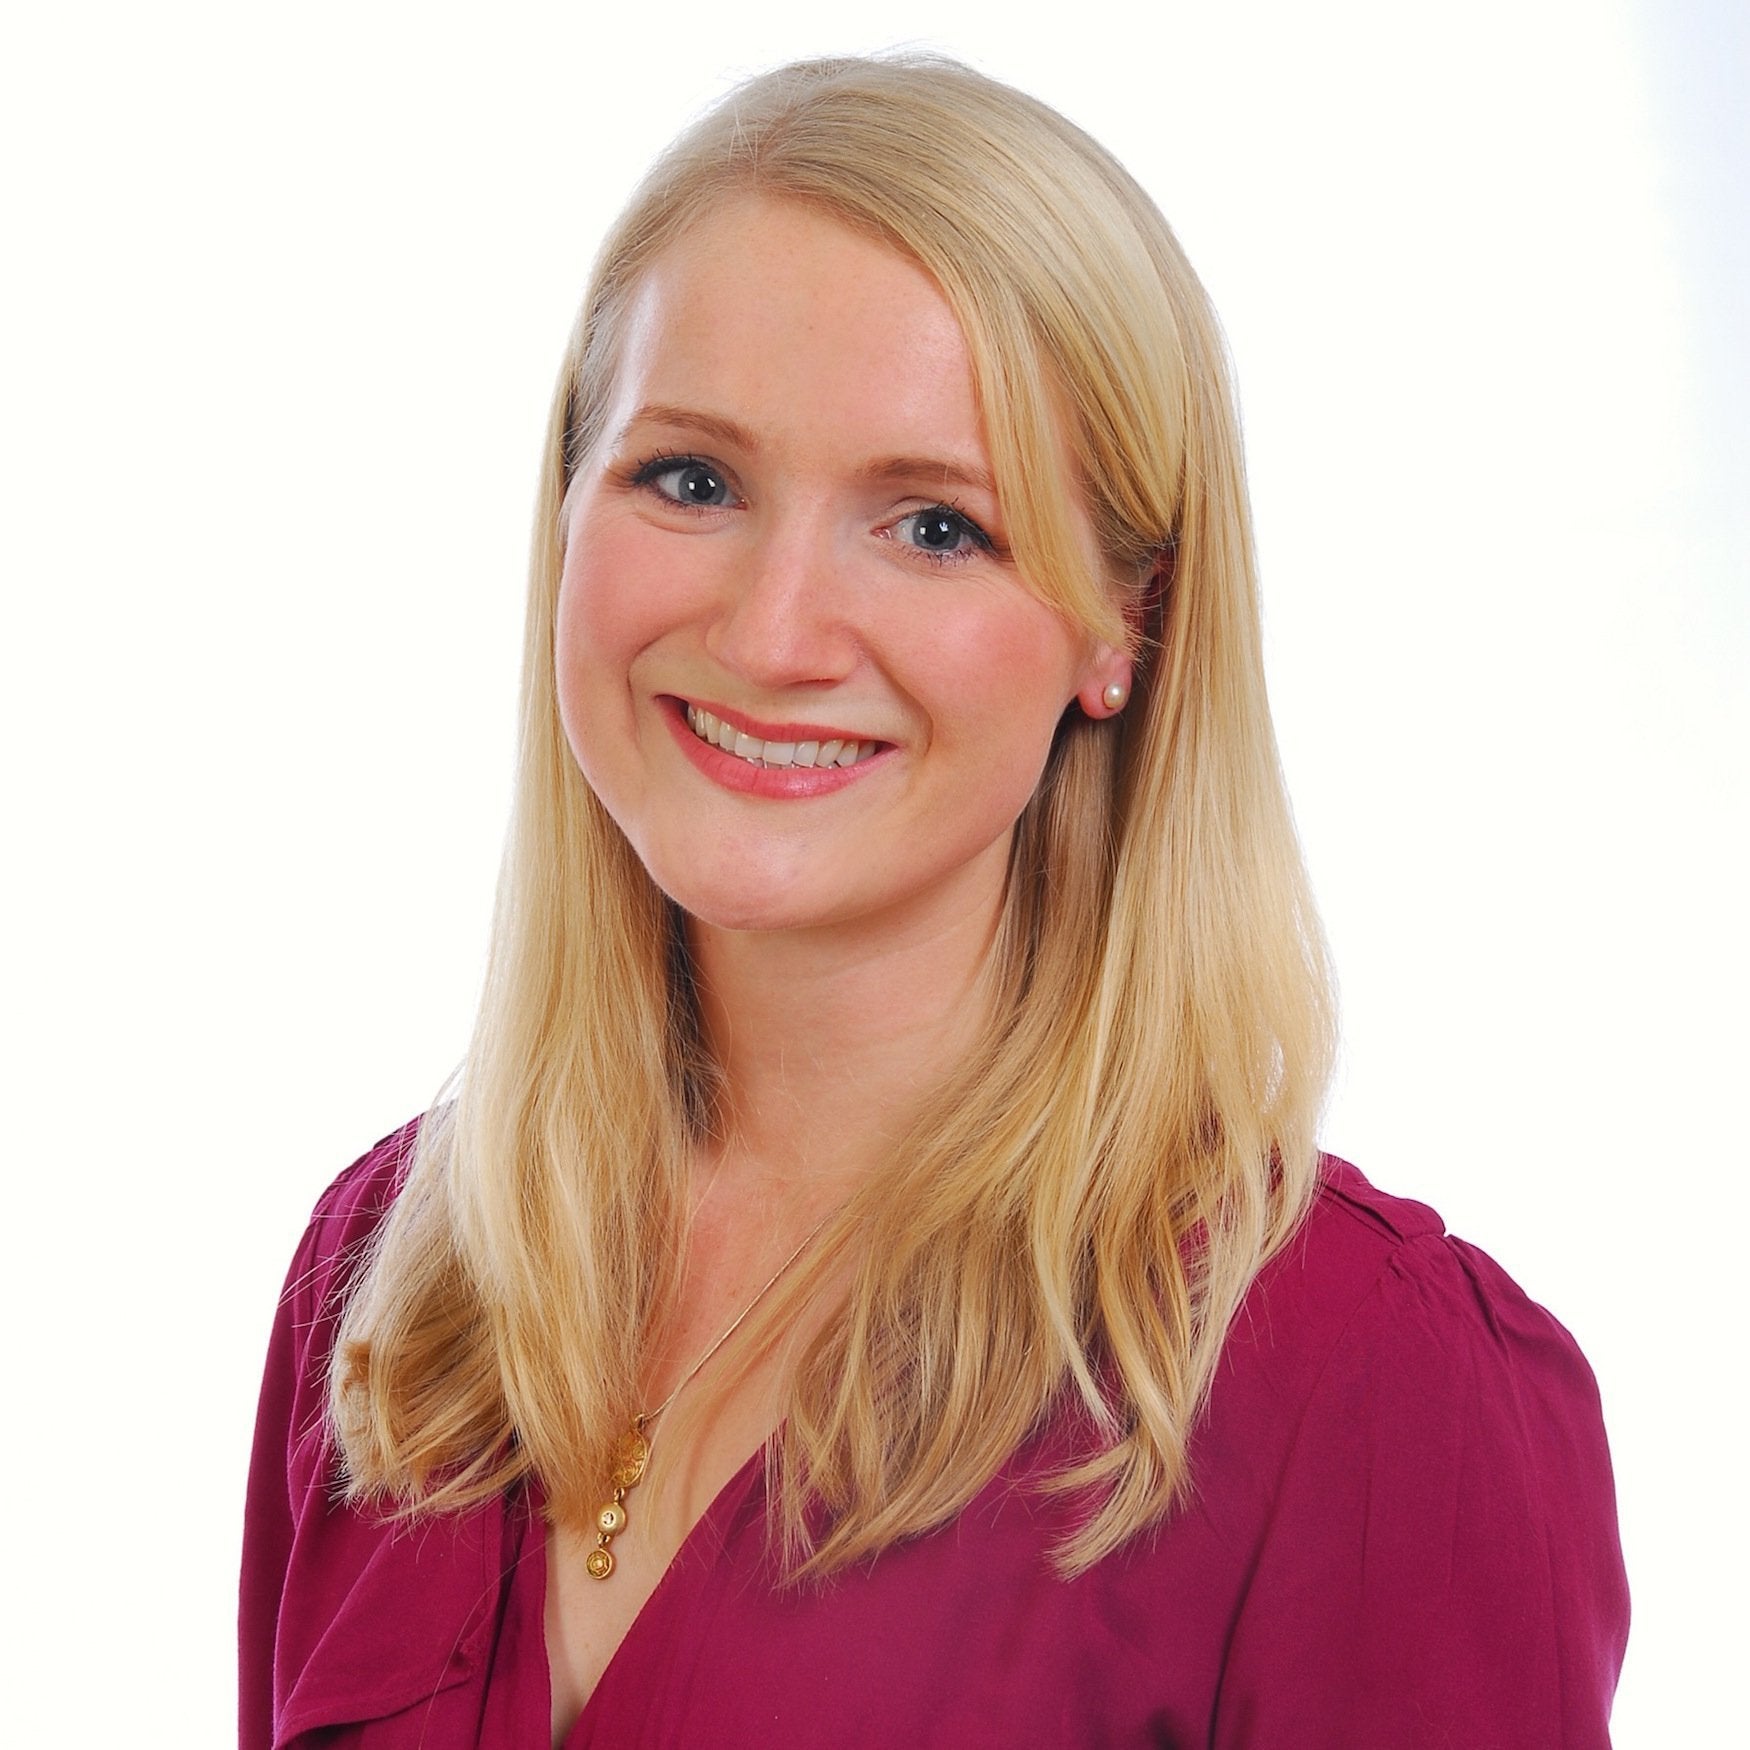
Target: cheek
(596,607)
(576,644)
(1003,680)
(597,633)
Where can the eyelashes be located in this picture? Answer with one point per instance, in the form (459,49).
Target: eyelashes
(940,530)
(696,483)
(940,533)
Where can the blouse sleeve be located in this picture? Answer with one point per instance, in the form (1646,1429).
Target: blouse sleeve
(287,1468)
(268,1519)
(1441,1566)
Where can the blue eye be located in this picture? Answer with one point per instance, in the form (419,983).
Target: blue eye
(685,480)
(941,532)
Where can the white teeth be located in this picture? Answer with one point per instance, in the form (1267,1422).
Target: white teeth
(713,729)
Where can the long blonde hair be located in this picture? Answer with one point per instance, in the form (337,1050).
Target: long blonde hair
(1074,1218)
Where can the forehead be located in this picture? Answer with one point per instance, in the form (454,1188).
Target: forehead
(775,314)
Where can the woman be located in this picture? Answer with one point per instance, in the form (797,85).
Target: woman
(875,1283)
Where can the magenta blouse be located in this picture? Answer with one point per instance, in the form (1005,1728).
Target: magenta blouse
(1401,1534)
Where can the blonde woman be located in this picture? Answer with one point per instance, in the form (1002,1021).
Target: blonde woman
(875,1283)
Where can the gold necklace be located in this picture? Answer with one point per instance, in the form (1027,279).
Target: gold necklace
(633,1452)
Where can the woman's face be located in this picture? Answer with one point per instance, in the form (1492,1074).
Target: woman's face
(794,658)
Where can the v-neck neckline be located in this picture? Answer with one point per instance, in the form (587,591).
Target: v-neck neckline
(718,1519)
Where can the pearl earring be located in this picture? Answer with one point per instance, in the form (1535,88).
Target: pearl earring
(1115,695)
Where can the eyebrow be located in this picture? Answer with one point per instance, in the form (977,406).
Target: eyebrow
(886,469)
(899,469)
(711,424)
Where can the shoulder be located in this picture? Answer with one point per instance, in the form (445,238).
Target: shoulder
(1372,1275)
(345,1221)
(1432,1315)
(354,1205)
(1385,1331)
(340,1618)
(1353,1231)
(1426,1489)
(292,1417)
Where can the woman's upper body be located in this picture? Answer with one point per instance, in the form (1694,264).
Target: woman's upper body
(1399,1533)
(905,973)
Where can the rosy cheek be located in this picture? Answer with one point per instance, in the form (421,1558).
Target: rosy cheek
(625,584)
(601,596)
(591,650)
(1010,673)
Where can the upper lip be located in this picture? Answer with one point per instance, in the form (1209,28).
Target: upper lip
(765,731)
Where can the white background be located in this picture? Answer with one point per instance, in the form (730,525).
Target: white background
(286,297)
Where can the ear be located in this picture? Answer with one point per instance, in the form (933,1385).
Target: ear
(1105,688)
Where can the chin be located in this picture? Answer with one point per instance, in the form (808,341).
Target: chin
(755,920)
(754,908)
(748,899)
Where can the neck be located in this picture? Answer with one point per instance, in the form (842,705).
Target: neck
(830,1039)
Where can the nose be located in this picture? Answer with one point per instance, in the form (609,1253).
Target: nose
(782,621)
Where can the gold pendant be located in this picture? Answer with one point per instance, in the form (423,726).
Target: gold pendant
(630,1457)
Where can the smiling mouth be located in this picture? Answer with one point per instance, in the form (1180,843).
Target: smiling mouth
(723,735)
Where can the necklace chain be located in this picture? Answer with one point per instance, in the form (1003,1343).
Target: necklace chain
(633,1452)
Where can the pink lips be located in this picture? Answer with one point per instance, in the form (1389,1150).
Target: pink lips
(777,782)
